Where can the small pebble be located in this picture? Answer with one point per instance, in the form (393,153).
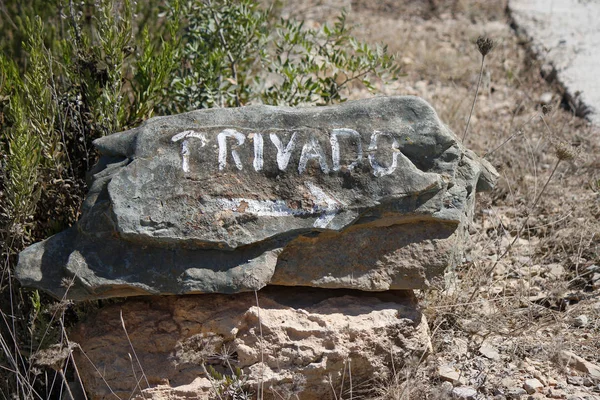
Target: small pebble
(532,385)
(489,351)
(587,381)
(464,392)
(548,72)
(556,271)
(537,374)
(546,98)
(575,380)
(592,268)
(515,393)
(556,394)
(596,281)
(581,321)
(449,374)
(446,388)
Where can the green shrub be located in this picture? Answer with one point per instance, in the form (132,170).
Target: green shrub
(315,66)
(235,53)
(221,44)
(71,72)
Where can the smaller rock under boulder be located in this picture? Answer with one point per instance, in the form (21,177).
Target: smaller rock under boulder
(306,337)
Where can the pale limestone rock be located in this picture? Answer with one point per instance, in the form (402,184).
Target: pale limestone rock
(532,385)
(489,351)
(197,389)
(546,98)
(450,374)
(308,335)
(464,393)
(580,321)
(580,364)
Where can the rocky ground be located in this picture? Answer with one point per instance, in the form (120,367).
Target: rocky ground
(520,318)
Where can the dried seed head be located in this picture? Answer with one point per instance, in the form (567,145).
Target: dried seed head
(54,356)
(564,152)
(546,109)
(17,230)
(60,307)
(67,282)
(485,45)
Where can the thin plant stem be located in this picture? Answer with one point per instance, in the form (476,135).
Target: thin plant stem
(350,375)
(518,235)
(66,384)
(517,133)
(546,124)
(261,383)
(343,377)
(474,99)
(211,380)
(71,346)
(137,381)
(332,388)
(98,372)
(133,349)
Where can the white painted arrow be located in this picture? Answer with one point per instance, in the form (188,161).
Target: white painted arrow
(332,205)
(325,205)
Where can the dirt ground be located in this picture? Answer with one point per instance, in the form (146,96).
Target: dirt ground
(525,304)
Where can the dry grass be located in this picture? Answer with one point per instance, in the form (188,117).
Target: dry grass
(525,280)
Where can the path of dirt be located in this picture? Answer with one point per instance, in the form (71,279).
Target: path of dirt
(566,35)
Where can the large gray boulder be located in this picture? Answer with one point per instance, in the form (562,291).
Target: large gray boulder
(372,195)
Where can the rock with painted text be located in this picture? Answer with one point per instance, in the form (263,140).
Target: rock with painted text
(373,195)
